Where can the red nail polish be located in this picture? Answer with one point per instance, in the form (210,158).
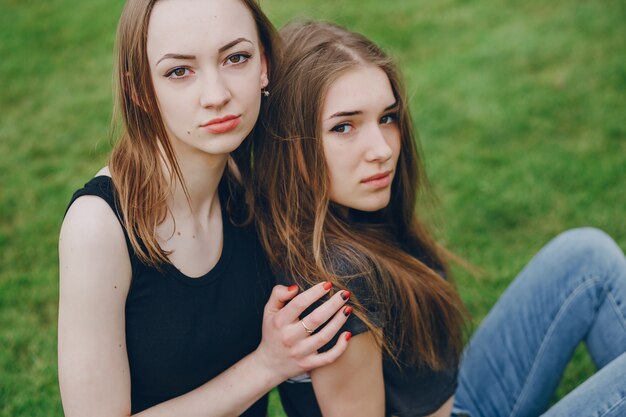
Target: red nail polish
(347,311)
(292,288)
(348,336)
(345,295)
(327,285)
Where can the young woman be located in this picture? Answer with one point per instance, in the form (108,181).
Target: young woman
(343,150)
(161,295)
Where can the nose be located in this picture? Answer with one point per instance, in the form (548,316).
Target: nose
(215,92)
(379,149)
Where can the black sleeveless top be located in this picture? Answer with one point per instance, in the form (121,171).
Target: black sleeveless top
(181,331)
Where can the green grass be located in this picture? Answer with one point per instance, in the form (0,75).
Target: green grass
(520,107)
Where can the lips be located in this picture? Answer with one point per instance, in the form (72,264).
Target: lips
(377,176)
(222,124)
(380,180)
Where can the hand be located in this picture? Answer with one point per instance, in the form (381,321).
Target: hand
(286,348)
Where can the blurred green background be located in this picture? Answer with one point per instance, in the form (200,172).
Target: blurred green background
(520,106)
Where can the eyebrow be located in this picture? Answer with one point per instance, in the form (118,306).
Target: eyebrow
(233,43)
(190,57)
(176,56)
(358,112)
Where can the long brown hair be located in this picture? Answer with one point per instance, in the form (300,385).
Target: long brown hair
(394,256)
(143,147)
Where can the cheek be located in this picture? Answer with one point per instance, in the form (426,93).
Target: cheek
(167,111)
(249,106)
(176,115)
(172,101)
(246,94)
(396,145)
(332,154)
(340,167)
(246,82)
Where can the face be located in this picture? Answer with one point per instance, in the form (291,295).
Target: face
(208,69)
(361,138)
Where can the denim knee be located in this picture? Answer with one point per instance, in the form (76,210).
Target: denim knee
(586,237)
(589,248)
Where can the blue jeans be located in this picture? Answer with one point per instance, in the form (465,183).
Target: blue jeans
(574,289)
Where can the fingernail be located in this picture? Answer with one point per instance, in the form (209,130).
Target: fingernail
(345,295)
(348,336)
(347,311)
(327,285)
(292,288)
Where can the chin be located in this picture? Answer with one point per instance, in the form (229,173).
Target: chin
(223,145)
(374,205)
(369,202)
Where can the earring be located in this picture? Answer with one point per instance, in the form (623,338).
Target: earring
(265,92)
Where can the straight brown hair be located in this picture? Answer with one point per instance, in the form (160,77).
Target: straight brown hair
(305,236)
(143,147)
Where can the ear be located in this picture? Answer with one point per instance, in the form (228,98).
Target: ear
(264,70)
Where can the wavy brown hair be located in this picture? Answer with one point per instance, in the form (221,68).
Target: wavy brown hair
(143,147)
(391,253)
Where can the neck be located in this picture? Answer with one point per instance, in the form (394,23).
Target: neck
(201,173)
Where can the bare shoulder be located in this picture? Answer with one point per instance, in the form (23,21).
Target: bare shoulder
(104,171)
(92,246)
(90,221)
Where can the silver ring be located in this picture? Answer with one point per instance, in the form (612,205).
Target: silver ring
(309,331)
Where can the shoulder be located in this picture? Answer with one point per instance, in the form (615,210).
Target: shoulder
(99,188)
(90,218)
(104,172)
(346,261)
(92,230)
(351,267)
(91,235)
(94,266)
(358,273)
(90,211)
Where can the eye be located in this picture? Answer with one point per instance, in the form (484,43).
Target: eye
(389,119)
(342,128)
(237,59)
(178,73)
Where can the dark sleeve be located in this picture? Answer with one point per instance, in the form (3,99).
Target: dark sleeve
(101,186)
(362,292)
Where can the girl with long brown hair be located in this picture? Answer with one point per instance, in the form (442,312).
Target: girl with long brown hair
(337,186)
(164,305)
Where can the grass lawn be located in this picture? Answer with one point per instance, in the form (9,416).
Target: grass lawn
(517,104)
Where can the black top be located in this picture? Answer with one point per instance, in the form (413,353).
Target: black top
(410,391)
(182,331)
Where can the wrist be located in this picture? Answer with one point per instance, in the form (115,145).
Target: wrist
(265,369)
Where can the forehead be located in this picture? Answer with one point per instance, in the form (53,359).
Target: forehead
(195,25)
(363,88)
